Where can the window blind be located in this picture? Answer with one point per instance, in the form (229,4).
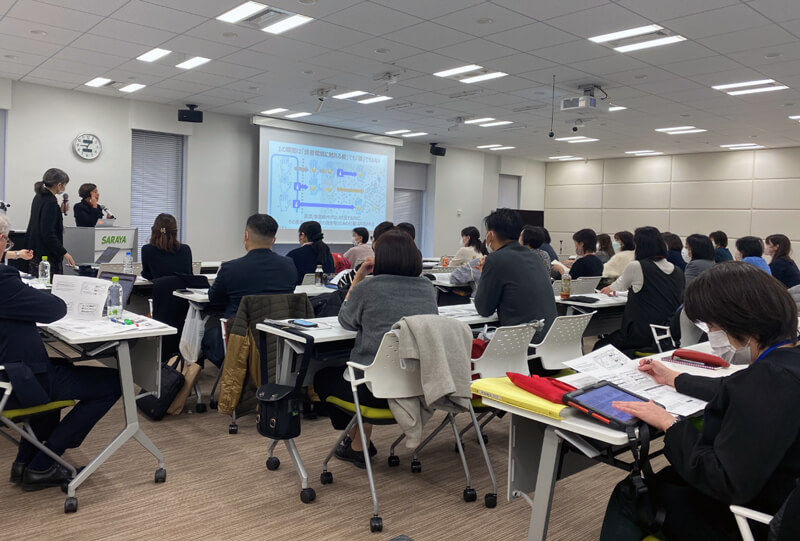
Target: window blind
(156,180)
(408,207)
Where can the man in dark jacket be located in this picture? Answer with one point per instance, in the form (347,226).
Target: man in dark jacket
(37,380)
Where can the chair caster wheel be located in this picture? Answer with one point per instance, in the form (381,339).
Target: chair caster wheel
(273,463)
(200,408)
(376,524)
(307,495)
(161,475)
(71,505)
(233,428)
(416,466)
(470,495)
(213,404)
(393,461)
(490,500)
(485,439)
(326,478)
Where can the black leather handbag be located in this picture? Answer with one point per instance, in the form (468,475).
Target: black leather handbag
(279,405)
(172,381)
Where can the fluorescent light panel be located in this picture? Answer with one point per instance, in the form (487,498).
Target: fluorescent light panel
(616,108)
(793,117)
(676,128)
(570,159)
(484,77)
(297,115)
(502,148)
(287,24)
(457,71)
(570,138)
(415,134)
(498,123)
(648,44)
(489,119)
(98,82)
(743,147)
(397,132)
(560,157)
(622,34)
(638,151)
(586,140)
(153,54)
(489,146)
(745,83)
(648,154)
(739,145)
(348,95)
(756,90)
(683,132)
(375,99)
(132,88)
(193,62)
(241,12)
(274,111)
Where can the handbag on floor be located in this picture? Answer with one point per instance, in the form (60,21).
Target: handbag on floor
(172,380)
(190,373)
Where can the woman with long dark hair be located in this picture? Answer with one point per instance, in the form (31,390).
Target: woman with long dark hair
(165,255)
(470,247)
(45,234)
(312,252)
(782,266)
(605,250)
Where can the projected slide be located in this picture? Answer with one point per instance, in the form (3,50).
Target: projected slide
(341,189)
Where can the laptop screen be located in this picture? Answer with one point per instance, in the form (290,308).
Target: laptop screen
(107,255)
(125,280)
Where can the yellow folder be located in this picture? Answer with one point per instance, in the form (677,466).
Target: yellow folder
(502,390)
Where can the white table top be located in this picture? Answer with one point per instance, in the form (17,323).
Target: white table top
(604,301)
(72,337)
(142,281)
(201,295)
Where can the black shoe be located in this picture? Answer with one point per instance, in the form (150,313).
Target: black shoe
(54,476)
(347,441)
(17,471)
(346,453)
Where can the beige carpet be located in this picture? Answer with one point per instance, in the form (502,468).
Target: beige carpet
(218,488)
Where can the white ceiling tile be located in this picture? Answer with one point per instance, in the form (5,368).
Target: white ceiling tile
(500,19)
(372,18)
(658,10)
(428,36)
(326,35)
(347,62)
(317,10)
(185,47)
(238,108)
(670,86)
(237,36)
(599,20)
(290,49)
(18,27)
(104,8)
(563,74)
(547,10)
(229,93)
(476,51)
(787,52)
(30,10)
(229,70)
(427,9)
(85,71)
(575,51)
(134,33)
(90,57)
(784,71)
(520,63)
(194,76)
(186,87)
(395,50)
(609,64)
(531,37)
(777,10)
(5,5)
(151,69)
(428,63)
(764,36)
(253,59)
(52,79)
(499,99)
(91,42)
(127,76)
(638,76)
(717,21)
(20,58)
(206,8)
(25,45)
(68,76)
(14,68)
(727,76)
(675,52)
(203,101)
(505,84)
(142,13)
(430,83)
(159,92)
(699,66)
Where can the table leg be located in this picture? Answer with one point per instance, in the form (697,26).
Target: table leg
(545,483)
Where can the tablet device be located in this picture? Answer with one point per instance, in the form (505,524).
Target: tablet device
(595,401)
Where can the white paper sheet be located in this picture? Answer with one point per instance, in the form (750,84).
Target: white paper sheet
(85,297)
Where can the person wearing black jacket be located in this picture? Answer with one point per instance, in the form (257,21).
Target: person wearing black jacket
(587,264)
(45,234)
(748,449)
(87,211)
(313,251)
(165,255)
(37,380)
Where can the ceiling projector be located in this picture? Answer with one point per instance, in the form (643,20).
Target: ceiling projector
(584,104)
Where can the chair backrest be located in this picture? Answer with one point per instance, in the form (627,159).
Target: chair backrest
(389,376)
(507,351)
(690,333)
(660,334)
(309,279)
(563,342)
(6,387)
(581,286)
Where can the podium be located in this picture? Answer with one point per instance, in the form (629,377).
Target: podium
(85,244)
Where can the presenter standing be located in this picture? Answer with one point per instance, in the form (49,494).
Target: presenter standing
(45,234)
(88,211)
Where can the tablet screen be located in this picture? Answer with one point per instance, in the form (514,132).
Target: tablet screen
(601,398)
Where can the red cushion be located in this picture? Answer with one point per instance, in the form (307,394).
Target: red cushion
(548,388)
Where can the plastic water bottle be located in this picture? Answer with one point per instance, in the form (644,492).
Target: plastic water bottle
(114,302)
(566,284)
(127,263)
(319,276)
(44,271)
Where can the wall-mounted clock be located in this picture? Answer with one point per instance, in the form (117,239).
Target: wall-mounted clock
(87,146)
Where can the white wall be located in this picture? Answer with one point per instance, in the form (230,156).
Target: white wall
(735,191)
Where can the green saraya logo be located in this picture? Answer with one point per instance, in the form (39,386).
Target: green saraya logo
(119,239)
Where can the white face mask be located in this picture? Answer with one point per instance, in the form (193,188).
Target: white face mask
(685,255)
(722,347)
(616,245)
(489,246)
(355,242)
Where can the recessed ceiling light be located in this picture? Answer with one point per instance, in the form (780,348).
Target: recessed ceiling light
(484,77)
(308,72)
(308,2)
(297,115)
(485,20)
(287,24)
(648,44)
(351,94)
(241,12)
(252,88)
(383,50)
(479,120)
(743,84)
(770,56)
(638,31)
(153,54)
(132,78)
(683,132)
(415,134)
(98,82)
(757,90)
(38,32)
(230,35)
(676,128)
(193,63)
(498,123)
(397,132)
(616,108)
(374,99)
(10,57)
(457,71)
(640,76)
(489,146)
(274,111)
(502,148)
(132,87)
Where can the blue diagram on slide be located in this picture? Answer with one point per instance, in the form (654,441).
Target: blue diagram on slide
(341,189)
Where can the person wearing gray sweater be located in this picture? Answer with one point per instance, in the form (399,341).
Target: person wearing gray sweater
(700,251)
(372,306)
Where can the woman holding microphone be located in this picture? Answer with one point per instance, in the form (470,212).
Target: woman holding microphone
(87,212)
(45,235)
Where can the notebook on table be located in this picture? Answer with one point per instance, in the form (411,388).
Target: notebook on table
(502,390)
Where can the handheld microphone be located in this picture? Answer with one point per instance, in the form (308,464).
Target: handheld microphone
(65,203)
(560,247)
(106,210)
(4,205)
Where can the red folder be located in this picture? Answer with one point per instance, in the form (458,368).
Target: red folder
(548,388)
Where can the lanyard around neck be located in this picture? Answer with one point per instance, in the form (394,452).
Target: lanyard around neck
(771,349)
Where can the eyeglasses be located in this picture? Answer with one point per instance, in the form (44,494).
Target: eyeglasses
(9,244)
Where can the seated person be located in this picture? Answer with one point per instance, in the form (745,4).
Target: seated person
(721,252)
(361,249)
(514,280)
(547,244)
(470,247)
(347,279)
(700,252)
(165,255)
(675,250)
(470,273)
(411,231)
(655,289)
(605,248)
(623,246)
(750,249)
(745,453)
(533,238)
(312,253)
(371,308)
(38,380)
(260,272)
(778,247)
(587,263)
